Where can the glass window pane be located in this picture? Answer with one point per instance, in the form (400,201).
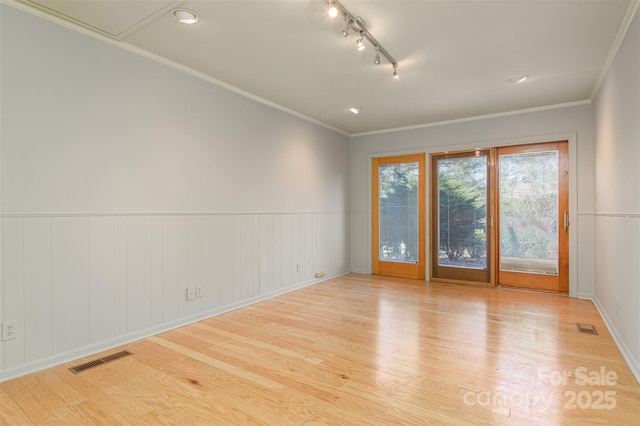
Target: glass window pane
(529,212)
(462,202)
(398,204)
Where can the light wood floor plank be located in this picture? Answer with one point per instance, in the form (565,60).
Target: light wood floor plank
(355,350)
(10,412)
(261,345)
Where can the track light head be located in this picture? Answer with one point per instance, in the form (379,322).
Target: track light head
(376,61)
(347,27)
(396,77)
(360,43)
(333,11)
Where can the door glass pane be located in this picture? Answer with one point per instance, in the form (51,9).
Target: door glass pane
(398,203)
(462,201)
(529,212)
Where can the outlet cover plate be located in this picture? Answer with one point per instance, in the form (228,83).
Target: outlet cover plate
(9,330)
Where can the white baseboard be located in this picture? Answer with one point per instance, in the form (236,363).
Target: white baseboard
(633,363)
(64,357)
(61,358)
(584,296)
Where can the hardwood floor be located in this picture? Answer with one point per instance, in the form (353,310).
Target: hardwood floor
(355,350)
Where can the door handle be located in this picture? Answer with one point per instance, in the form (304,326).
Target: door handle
(566,220)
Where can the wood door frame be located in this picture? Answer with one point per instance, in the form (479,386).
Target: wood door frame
(398,269)
(493,248)
(540,281)
(460,275)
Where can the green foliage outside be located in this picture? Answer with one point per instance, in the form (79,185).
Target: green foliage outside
(398,198)
(529,205)
(528,202)
(462,207)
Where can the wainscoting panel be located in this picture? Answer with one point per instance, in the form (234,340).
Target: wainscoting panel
(211,263)
(70,276)
(157,291)
(139,295)
(170,284)
(120,301)
(617,272)
(227,267)
(360,231)
(101,278)
(287,265)
(77,283)
(13,287)
(37,288)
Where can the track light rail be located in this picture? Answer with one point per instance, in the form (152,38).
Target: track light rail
(358,25)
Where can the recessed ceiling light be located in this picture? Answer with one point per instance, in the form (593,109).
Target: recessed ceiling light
(354,110)
(185,16)
(518,79)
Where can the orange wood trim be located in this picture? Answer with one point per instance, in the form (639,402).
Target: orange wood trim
(398,269)
(375,212)
(459,275)
(556,283)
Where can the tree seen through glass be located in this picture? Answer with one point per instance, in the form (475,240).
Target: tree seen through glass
(529,212)
(398,206)
(462,192)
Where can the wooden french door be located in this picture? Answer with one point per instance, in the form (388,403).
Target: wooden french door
(460,211)
(533,216)
(500,216)
(398,216)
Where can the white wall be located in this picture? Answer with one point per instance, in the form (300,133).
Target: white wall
(617,217)
(123,181)
(574,123)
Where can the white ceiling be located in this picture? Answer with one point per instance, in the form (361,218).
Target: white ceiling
(454,56)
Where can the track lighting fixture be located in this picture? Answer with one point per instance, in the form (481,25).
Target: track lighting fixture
(360,43)
(347,28)
(358,24)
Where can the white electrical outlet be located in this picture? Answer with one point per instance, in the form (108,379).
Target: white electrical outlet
(191,293)
(9,330)
(198,291)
